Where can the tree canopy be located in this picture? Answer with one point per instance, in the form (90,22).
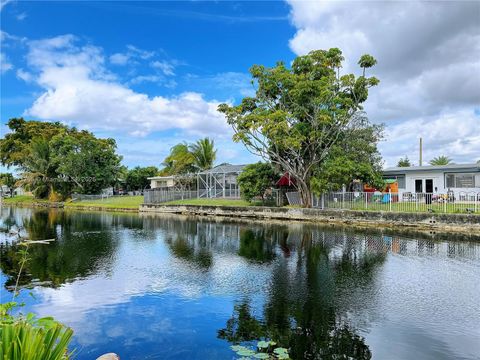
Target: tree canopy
(187,158)
(354,157)
(404,162)
(298,114)
(204,153)
(256,179)
(55,158)
(137,178)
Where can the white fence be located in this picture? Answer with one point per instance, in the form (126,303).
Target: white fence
(460,202)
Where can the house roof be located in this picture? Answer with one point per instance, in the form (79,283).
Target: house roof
(160,177)
(224,169)
(452,167)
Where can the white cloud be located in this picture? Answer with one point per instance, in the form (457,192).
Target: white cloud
(428,64)
(5,65)
(455,134)
(24,75)
(119,59)
(164,66)
(21,16)
(78,89)
(3,3)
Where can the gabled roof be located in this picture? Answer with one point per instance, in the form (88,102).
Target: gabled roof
(452,167)
(224,169)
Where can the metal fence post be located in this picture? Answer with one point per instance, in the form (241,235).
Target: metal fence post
(366,200)
(390,199)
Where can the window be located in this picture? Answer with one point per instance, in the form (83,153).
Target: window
(466,180)
(450,180)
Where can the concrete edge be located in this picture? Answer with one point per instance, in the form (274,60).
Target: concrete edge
(458,223)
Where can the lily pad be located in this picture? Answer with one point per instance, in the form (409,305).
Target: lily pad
(280,351)
(263,344)
(238,348)
(261,356)
(246,352)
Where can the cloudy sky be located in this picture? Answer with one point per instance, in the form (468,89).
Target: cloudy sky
(151,74)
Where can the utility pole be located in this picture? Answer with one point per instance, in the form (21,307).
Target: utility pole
(420,160)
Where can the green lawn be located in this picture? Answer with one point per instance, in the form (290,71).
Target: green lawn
(116,202)
(21,199)
(209,202)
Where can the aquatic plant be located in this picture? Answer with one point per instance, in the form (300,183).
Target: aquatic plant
(263,350)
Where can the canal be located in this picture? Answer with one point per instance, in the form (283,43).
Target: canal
(173,287)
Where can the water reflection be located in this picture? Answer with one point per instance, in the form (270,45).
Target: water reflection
(179,287)
(84,244)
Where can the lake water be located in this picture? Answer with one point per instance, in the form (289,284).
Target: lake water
(172,287)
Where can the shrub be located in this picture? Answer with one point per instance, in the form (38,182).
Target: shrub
(255,180)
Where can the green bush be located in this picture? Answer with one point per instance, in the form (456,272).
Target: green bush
(255,180)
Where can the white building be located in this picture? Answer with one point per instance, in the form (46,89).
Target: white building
(162,182)
(463,180)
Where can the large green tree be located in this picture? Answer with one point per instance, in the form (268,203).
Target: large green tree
(354,157)
(204,153)
(87,164)
(137,178)
(55,158)
(299,113)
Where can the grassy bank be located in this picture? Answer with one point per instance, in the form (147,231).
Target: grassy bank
(117,202)
(22,199)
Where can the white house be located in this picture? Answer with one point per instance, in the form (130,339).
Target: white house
(463,180)
(162,182)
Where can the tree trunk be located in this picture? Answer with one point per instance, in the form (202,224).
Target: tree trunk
(305,194)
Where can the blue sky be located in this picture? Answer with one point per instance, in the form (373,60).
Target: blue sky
(150,74)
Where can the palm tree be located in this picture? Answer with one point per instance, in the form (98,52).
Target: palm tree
(441,160)
(179,161)
(204,153)
(39,174)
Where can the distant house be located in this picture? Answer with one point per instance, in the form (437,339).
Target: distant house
(455,178)
(162,182)
(220,181)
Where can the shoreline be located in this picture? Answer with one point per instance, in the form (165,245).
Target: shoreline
(428,223)
(467,224)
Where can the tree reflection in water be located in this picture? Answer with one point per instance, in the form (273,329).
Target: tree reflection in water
(301,312)
(80,248)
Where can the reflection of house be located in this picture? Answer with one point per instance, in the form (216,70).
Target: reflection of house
(459,179)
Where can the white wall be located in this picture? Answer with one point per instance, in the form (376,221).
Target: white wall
(438,182)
